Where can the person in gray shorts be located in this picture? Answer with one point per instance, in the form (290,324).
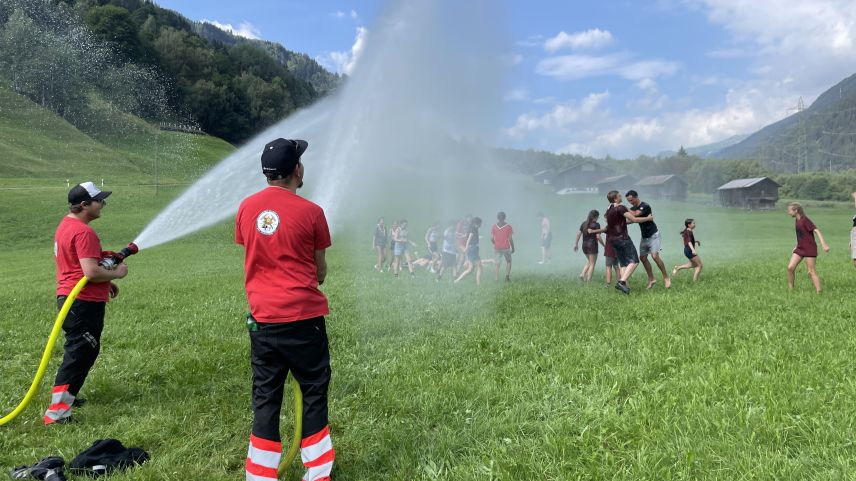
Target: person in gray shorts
(650,243)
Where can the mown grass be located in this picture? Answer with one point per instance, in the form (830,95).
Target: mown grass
(543,378)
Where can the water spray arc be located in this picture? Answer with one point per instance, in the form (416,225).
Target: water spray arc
(108,262)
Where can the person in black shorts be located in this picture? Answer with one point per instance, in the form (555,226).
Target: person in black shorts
(472,249)
(690,251)
(590,242)
(617,217)
(650,243)
(379,244)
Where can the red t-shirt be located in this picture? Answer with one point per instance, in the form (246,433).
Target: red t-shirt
(280,232)
(501,236)
(806,246)
(616,223)
(75,240)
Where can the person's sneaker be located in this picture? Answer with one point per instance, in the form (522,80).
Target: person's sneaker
(78,401)
(507,278)
(622,286)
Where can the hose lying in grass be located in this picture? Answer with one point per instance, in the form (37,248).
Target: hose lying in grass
(46,356)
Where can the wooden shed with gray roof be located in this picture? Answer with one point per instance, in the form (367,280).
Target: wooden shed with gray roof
(620,183)
(758,193)
(667,187)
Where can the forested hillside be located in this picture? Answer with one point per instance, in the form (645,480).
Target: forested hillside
(82,57)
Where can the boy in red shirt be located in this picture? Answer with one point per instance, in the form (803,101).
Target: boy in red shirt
(503,245)
(78,250)
(806,246)
(285,237)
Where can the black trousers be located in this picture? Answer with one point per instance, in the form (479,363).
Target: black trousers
(301,348)
(83,327)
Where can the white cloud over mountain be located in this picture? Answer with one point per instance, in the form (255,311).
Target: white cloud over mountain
(245,29)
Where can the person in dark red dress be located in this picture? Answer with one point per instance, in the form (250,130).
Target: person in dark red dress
(590,242)
(806,246)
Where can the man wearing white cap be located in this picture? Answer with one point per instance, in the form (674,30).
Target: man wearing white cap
(77,250)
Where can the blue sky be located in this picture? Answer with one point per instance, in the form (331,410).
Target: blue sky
(609,77)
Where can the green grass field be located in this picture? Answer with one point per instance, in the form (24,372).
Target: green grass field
(543,378)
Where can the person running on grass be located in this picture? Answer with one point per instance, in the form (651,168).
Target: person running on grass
(431,236)
(450,251)
(472,249)
(285,238)
(590,242)
(690,250)
(77,252)
(462,229)
(546,239)
(379,244)
(503,245)
(391,245)
(617,217)
(806,246)
(399,236)
(650,242)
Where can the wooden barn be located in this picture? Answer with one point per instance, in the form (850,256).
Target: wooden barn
(544,177)
(666,187)
(759,193)
(621,183)
(581,177)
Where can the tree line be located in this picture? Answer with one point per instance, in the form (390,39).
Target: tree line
(702,175)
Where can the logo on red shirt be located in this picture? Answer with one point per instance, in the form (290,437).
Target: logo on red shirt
(267,222)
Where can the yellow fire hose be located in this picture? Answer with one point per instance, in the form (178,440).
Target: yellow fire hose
(293,449)
(298,429)
(46,356)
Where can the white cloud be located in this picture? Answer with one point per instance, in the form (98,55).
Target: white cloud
(591,39)
(341,14)
(814,42)
(744,111)
(561,117)
(531,41)
(345,61)
(245,29)
(576,66)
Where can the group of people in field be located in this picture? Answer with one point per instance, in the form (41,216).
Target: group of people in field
(454,247)
(622,257)
(451,248)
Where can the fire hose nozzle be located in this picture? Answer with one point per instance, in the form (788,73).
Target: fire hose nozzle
(112,261)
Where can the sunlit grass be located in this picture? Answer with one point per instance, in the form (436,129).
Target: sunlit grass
(543,378)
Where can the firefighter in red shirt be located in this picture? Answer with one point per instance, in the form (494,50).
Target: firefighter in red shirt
(284,237)
(78,250)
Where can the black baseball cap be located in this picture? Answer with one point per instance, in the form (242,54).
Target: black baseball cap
(86,192)
(281,156)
